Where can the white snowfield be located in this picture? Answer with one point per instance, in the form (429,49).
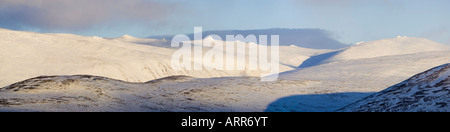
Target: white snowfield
(117,74)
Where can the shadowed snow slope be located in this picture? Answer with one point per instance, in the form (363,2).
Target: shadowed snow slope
(427,91)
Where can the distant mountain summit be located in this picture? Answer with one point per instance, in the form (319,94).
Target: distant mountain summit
(428,91)
(393,46)
(378,48)
(306,38)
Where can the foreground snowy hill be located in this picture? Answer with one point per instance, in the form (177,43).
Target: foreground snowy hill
(176,93)
(427,91)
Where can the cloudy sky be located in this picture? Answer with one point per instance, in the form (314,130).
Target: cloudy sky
(350,21)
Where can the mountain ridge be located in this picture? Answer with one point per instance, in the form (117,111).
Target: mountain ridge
(307,38)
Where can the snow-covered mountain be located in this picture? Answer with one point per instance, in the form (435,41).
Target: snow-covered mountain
(428,91)
(25,55)
(388,47)
(307,38)
(378,48)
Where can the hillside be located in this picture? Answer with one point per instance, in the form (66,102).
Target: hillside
(425,92)
(175,93)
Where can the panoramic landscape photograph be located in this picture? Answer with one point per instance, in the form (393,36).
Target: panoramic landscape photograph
(224,56)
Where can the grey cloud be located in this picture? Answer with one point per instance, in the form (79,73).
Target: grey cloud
(79,14)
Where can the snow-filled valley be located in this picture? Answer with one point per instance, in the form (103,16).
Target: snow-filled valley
(64,72)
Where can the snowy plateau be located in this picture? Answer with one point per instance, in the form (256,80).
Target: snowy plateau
(65,72)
